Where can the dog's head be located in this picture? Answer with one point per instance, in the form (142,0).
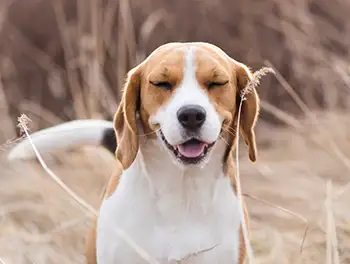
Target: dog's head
(188,95)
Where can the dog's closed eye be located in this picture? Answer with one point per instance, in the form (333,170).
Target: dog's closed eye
(162,84)
(212,85)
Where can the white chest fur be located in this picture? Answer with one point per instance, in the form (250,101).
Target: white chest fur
(174,215)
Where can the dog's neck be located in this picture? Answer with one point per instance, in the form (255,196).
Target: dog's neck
(155,164)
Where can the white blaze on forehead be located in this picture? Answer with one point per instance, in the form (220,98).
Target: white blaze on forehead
(189,92)
(190,67)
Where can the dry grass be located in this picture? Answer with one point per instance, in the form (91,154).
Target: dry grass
(58,51)
(39,223)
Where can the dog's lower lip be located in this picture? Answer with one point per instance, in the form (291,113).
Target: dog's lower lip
(192,148)
(187,153)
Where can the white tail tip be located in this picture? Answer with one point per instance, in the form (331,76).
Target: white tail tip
(67,135)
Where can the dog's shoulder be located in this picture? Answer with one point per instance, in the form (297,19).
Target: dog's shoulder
(90,246)
(113,182)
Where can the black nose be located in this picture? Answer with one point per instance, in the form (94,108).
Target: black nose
(191,117)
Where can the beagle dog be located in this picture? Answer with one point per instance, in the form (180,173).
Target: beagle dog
(174,190)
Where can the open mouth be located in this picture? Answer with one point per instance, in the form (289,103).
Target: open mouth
(191,151)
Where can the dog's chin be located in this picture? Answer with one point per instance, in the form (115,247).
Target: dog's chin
(190,152)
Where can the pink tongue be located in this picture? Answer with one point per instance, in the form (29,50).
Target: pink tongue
(191,150)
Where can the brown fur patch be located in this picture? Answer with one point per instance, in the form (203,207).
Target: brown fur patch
(113,182)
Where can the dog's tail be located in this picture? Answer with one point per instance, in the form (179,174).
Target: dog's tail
(67,135)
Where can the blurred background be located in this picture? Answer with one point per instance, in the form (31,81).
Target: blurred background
(67,59)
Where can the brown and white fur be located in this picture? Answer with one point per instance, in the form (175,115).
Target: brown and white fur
(174,203)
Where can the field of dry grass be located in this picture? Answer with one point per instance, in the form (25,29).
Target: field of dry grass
(64,59)
(40,223)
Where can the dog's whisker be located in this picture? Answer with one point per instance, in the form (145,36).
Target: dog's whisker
(150,133)
(231,133)
(224,140)
(231,129)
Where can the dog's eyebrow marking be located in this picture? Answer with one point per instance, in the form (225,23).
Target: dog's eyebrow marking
(217,73)
(165,72)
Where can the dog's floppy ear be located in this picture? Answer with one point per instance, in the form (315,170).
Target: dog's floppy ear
(125,124)
(250,108)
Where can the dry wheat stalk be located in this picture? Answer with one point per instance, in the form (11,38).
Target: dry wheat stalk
(7,124)
(251,85)
(9,143)
(285,211)
(332,253)
(74,85)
